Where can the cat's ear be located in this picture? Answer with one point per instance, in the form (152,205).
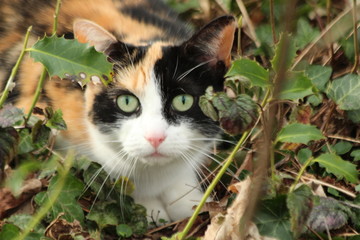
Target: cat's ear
(89,32)
(213,42)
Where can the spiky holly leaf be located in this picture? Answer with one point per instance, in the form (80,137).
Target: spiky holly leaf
(299,133)
(340,168)
(257,75)
(72,60)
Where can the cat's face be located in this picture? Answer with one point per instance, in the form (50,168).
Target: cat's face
(150,113)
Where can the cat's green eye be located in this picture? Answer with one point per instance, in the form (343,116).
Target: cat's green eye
(182,102)
(127,103)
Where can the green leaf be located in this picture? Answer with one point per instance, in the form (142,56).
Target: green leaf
(345,92)
(305,33)
(22,220)
(342,147)
(356,155)
(55,119)
(105,214)
(234,114)
(67,200)
(250,69)
(298,86)
(72,60)
(299,133)
(10,116)
(315,100)
(328,214)
(272,219)
(354,115)
(9,232)
(289,55)
(319,75)
(303,155)
(336,165)
(299,203)
(123,230)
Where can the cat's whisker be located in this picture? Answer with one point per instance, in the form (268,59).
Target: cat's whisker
(183,75)
(213,139)
(201,151)
(176,66)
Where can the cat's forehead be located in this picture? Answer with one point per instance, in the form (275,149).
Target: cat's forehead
(136,75)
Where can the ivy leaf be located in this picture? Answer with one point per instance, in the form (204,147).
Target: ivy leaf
(250,69)
(123,230)
(299,203)
(272,219)
(298,86)
(336,165)
(105,214)
(344,92)
(289,55)
(72,60)
(10,116)
(299,133)
(66,202)
(328,214)
(319,75)
(234,114)
(305,33)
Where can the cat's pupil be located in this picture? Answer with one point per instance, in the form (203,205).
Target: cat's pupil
(183,100)
(127,100)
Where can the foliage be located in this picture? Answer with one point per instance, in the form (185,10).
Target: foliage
(314,138)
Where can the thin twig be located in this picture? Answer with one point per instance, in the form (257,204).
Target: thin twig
(10,82)
(248,22)
(356,44)
(342,21)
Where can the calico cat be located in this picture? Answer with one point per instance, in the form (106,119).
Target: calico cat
(147,124)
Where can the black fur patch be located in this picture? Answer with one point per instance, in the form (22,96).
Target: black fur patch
(175,77)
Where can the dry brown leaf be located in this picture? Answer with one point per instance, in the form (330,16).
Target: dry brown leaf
(226,227)
(9,201)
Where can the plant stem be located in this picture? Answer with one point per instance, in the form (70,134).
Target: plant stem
(57,9)
(223,169)
(302,170)
(239,52)
(37,94)
(356,44)
(44,72)
(272,21)
(52,197)
(14,70)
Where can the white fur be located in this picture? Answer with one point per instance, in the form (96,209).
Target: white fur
(166,186)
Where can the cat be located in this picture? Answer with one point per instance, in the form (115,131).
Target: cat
(147,124)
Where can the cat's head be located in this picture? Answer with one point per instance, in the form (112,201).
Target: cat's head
(150,113)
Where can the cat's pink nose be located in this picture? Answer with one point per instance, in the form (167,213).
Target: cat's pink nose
(155,140)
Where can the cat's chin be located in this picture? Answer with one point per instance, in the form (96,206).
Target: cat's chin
(156,159)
